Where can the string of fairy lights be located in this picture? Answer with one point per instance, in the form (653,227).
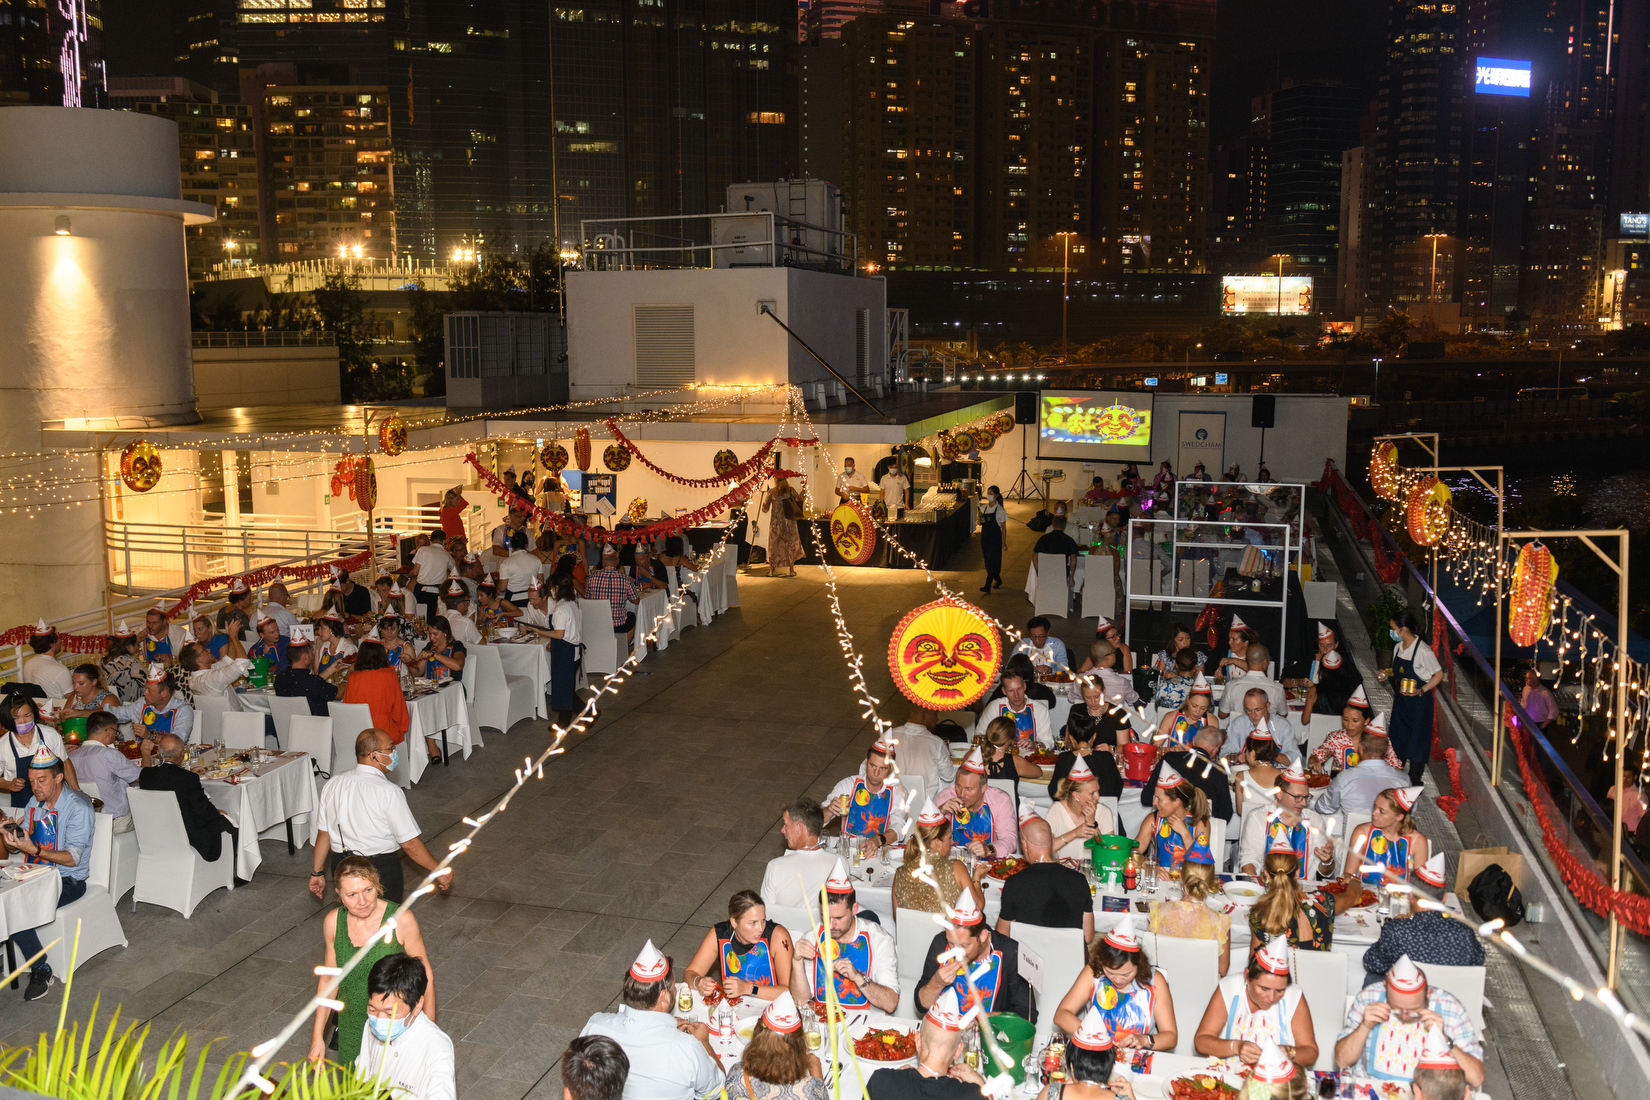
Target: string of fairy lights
(1475,557)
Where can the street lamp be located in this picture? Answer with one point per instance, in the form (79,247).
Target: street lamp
(1432,285)
(1065,288)
(1280,257)
(229,247)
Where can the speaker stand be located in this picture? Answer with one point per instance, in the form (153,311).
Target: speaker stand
(1262,449)
(1025,486)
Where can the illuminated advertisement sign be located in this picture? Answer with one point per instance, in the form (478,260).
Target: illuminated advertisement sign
(1266,294)
(1635,225)
(1499,76)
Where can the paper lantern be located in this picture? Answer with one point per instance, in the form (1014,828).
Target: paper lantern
(616,457)
(1532,594)
(1428,511)
(392,436)
(945,655)
(983,440)
(852,534)
(1383,471)
(948,448)
(1002,423)
(637,510)
(366,484)
(963,442)
(724,462)
(879,511)
(581,448)
(553,456)
(140,466)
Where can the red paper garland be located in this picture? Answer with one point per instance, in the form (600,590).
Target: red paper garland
(555,521)
(736,473)
(1451,803)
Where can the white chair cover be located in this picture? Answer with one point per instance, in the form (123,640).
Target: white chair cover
(284,708)
(1061,950)
(1322,977)
(170,872)
(243,729)
(312,735)
(99,925)
(348,720)
(601,645)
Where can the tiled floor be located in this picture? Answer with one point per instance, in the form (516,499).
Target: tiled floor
(642,830)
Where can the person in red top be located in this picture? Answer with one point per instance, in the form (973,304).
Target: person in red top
(452,512)
(372,681)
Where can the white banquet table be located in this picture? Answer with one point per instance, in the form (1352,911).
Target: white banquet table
(269,798)
(653,607)
(442,715)
(27,902)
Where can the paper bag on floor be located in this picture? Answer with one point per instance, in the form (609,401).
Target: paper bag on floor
(1474,860)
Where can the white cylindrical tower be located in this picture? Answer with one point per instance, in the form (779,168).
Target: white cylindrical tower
(96,324)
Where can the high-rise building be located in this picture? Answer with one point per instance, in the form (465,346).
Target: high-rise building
(1231,246)
(906,126)
(51,54)
(207,42)
(1297,136)
(218,163)
(1420,128)
(1352,253)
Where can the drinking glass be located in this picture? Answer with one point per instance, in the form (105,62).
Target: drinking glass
(1148,876)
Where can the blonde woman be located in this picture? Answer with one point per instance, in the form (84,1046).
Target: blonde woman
(933,853)
(1188,917)
(1286,909)
(1077,815)
(784,509)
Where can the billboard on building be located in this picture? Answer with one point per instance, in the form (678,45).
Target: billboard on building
(1500,76)
(1266,294)
(1635,225)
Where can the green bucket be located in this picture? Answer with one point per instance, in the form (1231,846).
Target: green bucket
(1109,852)
(259,676)
(75,726)
(1014,1034)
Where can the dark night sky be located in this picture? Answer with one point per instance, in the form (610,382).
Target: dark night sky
(1258,41)
(138,36)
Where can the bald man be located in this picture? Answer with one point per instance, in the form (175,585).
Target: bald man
(204,822)
(1047,893)
(364,814)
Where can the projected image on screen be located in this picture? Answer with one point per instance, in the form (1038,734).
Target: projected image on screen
(1094,425)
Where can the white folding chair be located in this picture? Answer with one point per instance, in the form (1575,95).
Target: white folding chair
(1466,982)
(916,929)
(348,720)
(1053,596)
(499,701)
(1099,593)
(243,729)
(601,645)
(1061,950)
(284,708)
(730,562)
(1009,787)
(1322,978)
(313,735)
(209,712)
(94,911)
(170,872)
(686,615)
(1193,970)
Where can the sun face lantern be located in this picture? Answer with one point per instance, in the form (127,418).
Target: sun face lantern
(140,466)
(1428,511)
(1383,470)
(366,484)
(964,442)
(1003,423)
(852,534)
(1532,594)
(392,436)
(616,458)
(983,439)
(637,510)
(554,457)
(581,448)
(724,462)
(945,655)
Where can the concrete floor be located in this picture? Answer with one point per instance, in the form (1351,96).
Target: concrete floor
(641,831)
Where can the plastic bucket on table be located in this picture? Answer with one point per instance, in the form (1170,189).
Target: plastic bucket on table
(1014,1034)
(1108,854)
(73,727)
(259,676)
(1139,758)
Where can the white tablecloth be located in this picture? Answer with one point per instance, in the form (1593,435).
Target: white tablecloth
(447,710)
(532,660)
(653,615)
(728,1050)
(260,805)
(29,903)
(1031,579)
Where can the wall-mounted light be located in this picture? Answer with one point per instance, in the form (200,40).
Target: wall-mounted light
(62,227)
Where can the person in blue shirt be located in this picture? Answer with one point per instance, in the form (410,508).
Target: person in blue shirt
(270,644)
(161,710)
(215,642)
(56,831)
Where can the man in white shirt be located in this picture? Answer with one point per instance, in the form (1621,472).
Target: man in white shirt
(1030,716)
(799,825)
(1287,824)
(457,599)
(431,563)
(868,805)
(1257,710)
(1047,654)
(368,816)
(214,678)
(1354,790)
(400,1045)
(1256,659)
(668,1060)
(518,570)
(97,761)
(864,965)
(894,490)
(275,607)
(43,669)
(920,752)
(850,481)
(594,1067)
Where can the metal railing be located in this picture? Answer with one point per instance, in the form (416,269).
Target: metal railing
(771,240)
(1583,826)
(261,338)
(158,557)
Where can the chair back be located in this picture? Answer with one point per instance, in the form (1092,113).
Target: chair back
(243,729)
(601,645)
(1099,591)
(103,850)
(485,668)
(1063,956)
(313,735)
(1010,787)
(90,789)
(1318,729)
(284,708)
(916,929)
(1322,978)
(1193,970)
(1110,803)
(157,820)
(795,920)
(1052,594)
(915,784)
(209,712)
(348,720)
(1466,982)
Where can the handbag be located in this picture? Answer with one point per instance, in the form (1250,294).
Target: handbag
(1493,895)
(792,506)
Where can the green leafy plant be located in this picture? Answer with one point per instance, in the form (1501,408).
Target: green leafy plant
(1385,608)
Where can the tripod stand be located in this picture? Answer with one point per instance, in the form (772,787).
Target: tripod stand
(1025,485)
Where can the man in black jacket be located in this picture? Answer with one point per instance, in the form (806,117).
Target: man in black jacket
(297,679)
(990,956)
(1202,767)
(204,822)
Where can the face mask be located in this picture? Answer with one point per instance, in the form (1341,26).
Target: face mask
(395,758)
(386,1030)
(1395,635)
(25,727)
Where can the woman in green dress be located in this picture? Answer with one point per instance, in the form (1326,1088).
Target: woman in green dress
(344,931)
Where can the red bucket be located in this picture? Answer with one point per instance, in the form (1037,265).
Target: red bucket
(1139,758)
